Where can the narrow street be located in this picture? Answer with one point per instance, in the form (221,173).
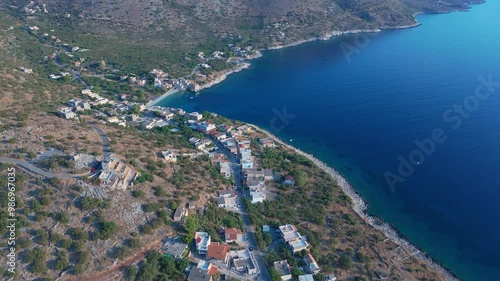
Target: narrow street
(263,273)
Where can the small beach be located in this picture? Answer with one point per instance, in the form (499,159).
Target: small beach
(155,100)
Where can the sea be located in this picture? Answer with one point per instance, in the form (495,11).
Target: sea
(410,117)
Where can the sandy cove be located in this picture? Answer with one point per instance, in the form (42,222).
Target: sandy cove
(154,101)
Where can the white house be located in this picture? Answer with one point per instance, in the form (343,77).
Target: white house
(226,202)
(202,241)
(169,156)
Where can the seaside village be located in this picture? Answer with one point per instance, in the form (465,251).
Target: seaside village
(204,74)
(230,151)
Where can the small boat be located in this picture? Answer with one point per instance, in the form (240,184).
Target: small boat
(291,139)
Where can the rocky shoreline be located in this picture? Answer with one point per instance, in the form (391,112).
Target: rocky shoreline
(224,75)
(360,207)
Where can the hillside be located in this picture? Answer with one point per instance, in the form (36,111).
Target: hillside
(163,33)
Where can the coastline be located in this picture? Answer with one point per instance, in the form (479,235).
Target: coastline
(360,207)
(226,73)
(327,36)
(155,100)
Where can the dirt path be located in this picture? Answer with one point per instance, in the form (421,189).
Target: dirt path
(114,273)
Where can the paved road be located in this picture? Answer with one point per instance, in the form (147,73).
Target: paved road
(75,73)
(259,256)
(105,141)
(30,166)
(34,169)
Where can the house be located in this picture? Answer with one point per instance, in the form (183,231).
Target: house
(113,119)
(257,196)
(167,114)
(157,82)
(330,277)
(141,82)
(116,173)
(220,136)
(27,70)
(268,174)
(289,180)
(195,116)
(195,87)
(192,205)
(224,128)
(311,264)
(148,123)
(298,245)
(244,144)
(207,266)
(100,100)
(219,252)
(230,145)
(198,274)
(247,163)
(235,133)
(180,84)
(206,127)
(66,112)
(292,238)
(247,160)
(225,202)
(202,241)
(169,156)
(158,73)
(243,262)
(283,270)
(174,249)
(179,214)
(233,235)
(194,140)
(202,144)
(307,277)
(244,129)
(226,193)
(288,232)
(245,153)
(225,169)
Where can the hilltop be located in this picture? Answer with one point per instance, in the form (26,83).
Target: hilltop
(168,34)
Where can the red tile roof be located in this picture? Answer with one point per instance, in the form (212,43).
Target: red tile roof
(212,271)
(232,233)
(217,251)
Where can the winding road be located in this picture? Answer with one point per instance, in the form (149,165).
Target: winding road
(31,167)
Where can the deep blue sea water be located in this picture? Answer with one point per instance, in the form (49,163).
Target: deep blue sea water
(358,114)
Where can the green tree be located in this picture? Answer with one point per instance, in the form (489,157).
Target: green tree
(62,217)
(345,262)
(62,262)
(274,274)
(37,258)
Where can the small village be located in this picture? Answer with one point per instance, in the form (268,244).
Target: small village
(229,149)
